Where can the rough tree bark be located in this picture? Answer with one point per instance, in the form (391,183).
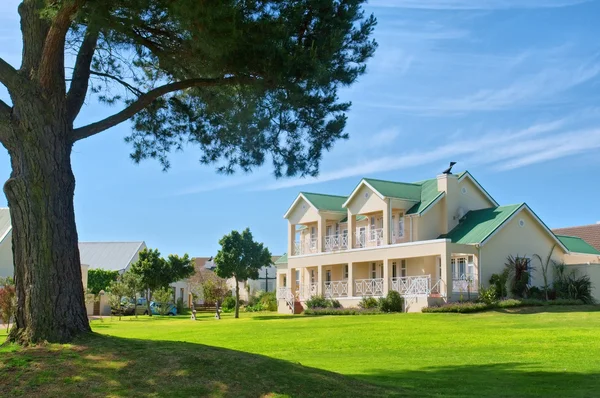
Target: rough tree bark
(50,292)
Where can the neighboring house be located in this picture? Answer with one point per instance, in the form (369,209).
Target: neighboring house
(589,233)
(432,241)
(265,282)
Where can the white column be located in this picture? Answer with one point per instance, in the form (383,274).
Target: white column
(387,214)
(446,276)
(321,227)
(320,280)
(350,280)
(291,238)
(386,276)
(351,229)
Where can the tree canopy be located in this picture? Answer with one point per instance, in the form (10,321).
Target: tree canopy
(100,279)
(248,81)
(240,257)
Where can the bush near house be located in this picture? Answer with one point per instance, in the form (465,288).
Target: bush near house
(393,302)
(470,307)
(342,311)
(320,301)
(368,302)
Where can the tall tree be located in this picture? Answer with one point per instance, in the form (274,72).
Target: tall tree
(246,80)
(240,258)
(155,272)
(134,286)
(100,279)
(208,285)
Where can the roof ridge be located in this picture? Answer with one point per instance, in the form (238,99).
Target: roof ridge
(579,226)
(323,194)
(393,182)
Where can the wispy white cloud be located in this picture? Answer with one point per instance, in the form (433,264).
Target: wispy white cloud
(533,89)
(500,150)
(474,4)
(383,138)
(224,183)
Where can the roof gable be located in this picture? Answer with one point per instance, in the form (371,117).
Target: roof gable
(114,256)
(577,245)
(429,194)
(326,202)
(478,225)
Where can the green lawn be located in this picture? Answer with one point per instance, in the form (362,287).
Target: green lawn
(552,352)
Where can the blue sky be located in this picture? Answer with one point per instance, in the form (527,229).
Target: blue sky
(507,88)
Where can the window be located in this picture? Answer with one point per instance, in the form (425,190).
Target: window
(337,228)
(403,269)
(328,275)
(346,271)
(313,232)
(297,277)
(459,267)
(329,230)
(285,281)
(312,276)
(373,271)
(394,271)
(372,222)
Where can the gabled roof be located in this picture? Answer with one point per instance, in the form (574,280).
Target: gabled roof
(326,202)
(429,195)
(282,260)
(320,202)
(114,256)
(478,225)
(389,189)
(589,233)
(577,245)
(466,174)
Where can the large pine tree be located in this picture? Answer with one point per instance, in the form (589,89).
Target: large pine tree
(246,80)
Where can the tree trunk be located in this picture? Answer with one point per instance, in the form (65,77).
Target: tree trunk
(237,298)
(218,314)
(149,296)
(50,292)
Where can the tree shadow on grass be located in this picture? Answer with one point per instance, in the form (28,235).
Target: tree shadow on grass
(99,366)
(493,380)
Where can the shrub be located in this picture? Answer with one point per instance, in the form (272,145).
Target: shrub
(8,304)
(258,307)
(335,304)
(518,275)
(268,301)
(341,311)
(463,307)
(393,302)
(317,301)
(536,293)
(499,282)
(180,307)
(487,296)
(469,307)
(368,302)
(569,285)
(228,303)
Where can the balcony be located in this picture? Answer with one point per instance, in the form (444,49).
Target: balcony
(336,242)
(369,237)
(368,287)
(305,246)
(336,289)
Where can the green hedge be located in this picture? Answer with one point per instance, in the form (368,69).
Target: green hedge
(342,311)
(469,307)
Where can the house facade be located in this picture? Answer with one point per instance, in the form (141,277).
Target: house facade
(432,241)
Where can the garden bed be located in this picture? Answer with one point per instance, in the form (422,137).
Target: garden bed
(470,307)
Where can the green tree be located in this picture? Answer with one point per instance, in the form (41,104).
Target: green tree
(100,279)
(246,81)
(209,286)
(163,297)
(134,287)
(240,258)
(8,302)
(117,290)
(155,272)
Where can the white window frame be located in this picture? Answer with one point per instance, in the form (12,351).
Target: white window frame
(312,276)
(394,269)
(298,275)
(403,269)
(328,275)
(373,270)
(400,226)
(346,272)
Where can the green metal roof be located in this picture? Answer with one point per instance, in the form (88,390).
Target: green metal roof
(478,225)
(429,193)
(358,218)
(577,245)
(400,190)
(326,202)
(282,260)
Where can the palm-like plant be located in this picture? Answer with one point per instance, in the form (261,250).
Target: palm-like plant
(518,275)
(544,267)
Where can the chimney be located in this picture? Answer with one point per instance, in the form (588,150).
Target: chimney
(448,183)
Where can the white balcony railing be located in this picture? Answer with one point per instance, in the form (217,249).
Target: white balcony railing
(306,291)
(335,242)
(368,237)
(336,289)
(464,283)
(285,293)
(305,246)
(368,287)
(397,235)
(412,285)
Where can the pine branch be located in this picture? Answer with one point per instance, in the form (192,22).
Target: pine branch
(122,82)
(81,74)
(145,100)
